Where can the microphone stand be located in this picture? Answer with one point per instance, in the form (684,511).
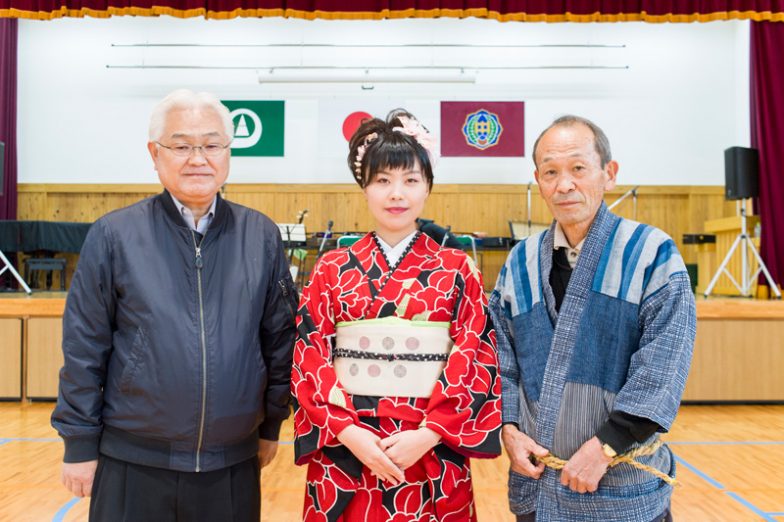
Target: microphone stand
(327,234)
(446,235)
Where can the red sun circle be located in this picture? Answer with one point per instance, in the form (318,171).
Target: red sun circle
(352,123)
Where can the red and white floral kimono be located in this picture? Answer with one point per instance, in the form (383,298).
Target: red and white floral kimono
(428,284)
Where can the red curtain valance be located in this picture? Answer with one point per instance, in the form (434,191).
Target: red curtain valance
(509,10)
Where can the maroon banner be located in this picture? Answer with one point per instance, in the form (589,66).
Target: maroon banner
(510,10)
(485,129)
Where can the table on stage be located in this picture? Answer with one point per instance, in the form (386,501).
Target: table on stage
(53,237)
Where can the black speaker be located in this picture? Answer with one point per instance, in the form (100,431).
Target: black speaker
(741,173)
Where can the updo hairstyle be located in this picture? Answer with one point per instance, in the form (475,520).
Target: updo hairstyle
(375,147)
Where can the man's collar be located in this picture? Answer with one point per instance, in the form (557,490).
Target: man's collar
(560,241)
(181,208)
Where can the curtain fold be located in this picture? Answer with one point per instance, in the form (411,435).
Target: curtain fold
(767,136)
(504,10)
(8,41)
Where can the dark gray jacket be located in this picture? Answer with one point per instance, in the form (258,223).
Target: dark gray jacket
(176,356)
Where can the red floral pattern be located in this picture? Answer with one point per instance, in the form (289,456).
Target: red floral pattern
(464,408)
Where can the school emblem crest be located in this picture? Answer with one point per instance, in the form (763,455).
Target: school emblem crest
(482,129)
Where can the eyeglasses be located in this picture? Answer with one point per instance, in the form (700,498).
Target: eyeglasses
(184,150)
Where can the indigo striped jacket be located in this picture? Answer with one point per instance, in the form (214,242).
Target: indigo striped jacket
(622,341)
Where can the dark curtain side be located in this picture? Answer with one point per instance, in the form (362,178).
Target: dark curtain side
(767,135)
(8,38)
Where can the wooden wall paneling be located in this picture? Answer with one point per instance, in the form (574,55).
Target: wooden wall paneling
(737,360)
(10,358)
(31,205)
(44,356)
(467,208)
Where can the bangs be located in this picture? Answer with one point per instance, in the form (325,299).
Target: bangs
(394,154)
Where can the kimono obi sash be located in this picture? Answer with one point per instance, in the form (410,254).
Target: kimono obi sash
(391,357)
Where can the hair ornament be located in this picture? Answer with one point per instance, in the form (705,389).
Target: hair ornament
(361,154)
(415,129)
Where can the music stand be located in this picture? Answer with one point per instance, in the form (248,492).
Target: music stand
(293,236)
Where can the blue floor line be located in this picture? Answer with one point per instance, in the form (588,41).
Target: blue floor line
(53,439)
(60,515)
(713,482)
(777,514)
(729,443)
(749,505)
(716,484)
(30,439)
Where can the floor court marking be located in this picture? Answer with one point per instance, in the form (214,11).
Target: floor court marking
(768,517)
(713,482)
(60,515)
(728,443)
(3,440)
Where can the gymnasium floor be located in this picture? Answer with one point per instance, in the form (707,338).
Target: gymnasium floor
(731,462)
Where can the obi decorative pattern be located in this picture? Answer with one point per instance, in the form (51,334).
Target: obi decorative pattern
(391,357)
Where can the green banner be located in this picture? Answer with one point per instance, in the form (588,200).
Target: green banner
(258,127)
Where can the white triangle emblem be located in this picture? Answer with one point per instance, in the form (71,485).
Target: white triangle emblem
(242,128)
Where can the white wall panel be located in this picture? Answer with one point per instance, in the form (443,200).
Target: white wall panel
(682,100)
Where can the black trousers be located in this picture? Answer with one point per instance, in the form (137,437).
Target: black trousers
(126,492)
(664,517)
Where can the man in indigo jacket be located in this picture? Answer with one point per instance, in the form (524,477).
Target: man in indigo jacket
(177,335)
(595,321)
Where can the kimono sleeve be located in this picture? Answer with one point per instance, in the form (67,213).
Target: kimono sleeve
(465,406)
(507,360)
(667,318)
(322,409)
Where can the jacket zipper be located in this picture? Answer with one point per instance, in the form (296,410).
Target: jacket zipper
(285,292)
(199,264)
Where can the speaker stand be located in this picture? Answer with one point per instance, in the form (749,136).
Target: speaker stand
(744,242)
(5,264)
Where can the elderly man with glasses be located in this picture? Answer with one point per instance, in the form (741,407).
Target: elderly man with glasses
(177,336)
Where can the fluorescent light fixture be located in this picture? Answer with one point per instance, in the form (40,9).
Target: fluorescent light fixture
(366,78)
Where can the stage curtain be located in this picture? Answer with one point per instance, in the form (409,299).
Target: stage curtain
(504,10)
(767,136)
(8,32)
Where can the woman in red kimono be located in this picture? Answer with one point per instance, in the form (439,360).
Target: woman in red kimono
(395,374)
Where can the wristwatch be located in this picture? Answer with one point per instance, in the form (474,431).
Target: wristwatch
(609,451)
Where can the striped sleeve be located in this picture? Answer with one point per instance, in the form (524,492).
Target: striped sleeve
(510,375)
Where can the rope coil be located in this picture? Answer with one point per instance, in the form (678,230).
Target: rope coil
(553,462)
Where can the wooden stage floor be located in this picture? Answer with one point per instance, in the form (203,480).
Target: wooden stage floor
(730,465)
